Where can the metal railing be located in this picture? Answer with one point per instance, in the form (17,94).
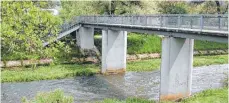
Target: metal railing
(179,21)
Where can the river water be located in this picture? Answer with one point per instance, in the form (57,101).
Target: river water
(95,88)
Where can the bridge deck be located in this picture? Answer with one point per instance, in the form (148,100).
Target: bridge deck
(206,25)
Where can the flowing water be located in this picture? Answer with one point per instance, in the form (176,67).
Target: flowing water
(98,87)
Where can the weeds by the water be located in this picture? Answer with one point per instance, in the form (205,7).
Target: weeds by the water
(154,64)
(48,72)
(56,96)
(63,71)
(128,100)
(207,96)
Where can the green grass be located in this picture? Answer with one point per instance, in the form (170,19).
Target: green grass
(56,96)
(154,64)
(128,100)
(142,43)
(48,72)
(63,71)
(207,96)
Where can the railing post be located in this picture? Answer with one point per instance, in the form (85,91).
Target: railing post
(145,20)
(97,19)
(178,21)
(132,19)
(161,21)
(191,22)
(201,22)
(219,20)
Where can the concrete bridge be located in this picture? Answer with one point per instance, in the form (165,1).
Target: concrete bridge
(179,32)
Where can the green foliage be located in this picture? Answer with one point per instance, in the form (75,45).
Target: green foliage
(143,43)
(208,7)
(56,96)
(172,7)
(70,9)
(116,7)
(25,27)
(209,60)
(208,45)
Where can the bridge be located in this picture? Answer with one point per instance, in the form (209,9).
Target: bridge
(179,32)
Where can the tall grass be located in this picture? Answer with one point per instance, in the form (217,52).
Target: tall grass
(56,96)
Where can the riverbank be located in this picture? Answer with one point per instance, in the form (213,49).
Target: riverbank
(70,70)
(207,96)
(145,85)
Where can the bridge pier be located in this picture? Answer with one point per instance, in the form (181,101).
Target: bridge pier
(114,48)
(176,68)
(85,38)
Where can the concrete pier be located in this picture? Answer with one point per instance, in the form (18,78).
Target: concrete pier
(114,49)
(176,68)
(85,38)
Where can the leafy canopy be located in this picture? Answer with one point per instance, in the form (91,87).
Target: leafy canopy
(25,27)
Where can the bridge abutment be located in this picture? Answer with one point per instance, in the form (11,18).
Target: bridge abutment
(176,68)
(114,49)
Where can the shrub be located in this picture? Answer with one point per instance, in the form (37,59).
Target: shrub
(56,96)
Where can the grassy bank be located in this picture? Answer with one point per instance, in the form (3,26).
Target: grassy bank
(154,64)
(70,70)
(56,96)
(207,96)
(140,43)
(48,72)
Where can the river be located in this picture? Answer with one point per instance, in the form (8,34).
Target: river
(94,88)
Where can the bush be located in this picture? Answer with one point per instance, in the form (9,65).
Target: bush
(56,96)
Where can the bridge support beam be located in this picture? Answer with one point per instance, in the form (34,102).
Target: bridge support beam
(176,68)
(114,47)
(85,38)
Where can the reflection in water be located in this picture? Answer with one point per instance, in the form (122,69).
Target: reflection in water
(98,87)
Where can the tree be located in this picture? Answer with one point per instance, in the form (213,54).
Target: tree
(210,7)
(171,7)
(116,7)
(25,27)
(71,9)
